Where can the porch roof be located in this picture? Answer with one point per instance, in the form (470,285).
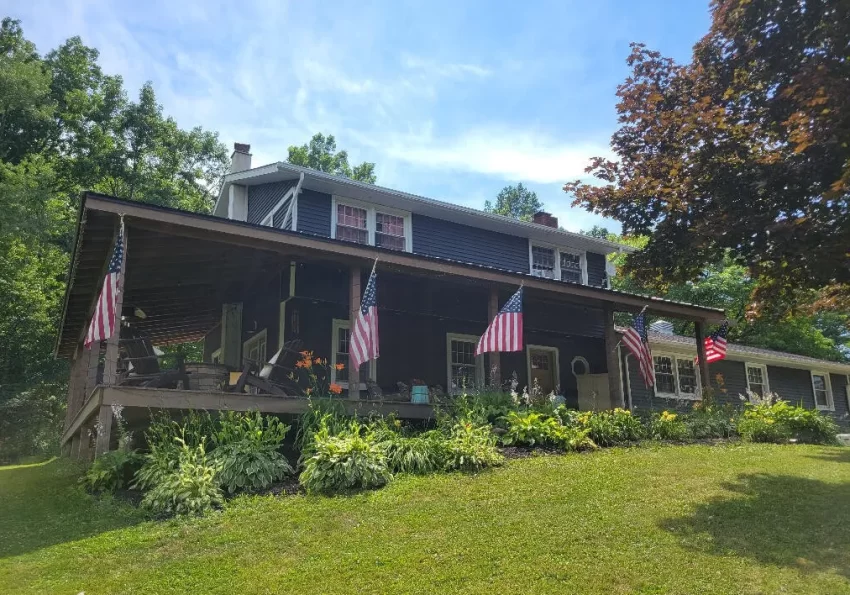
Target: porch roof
(182,266)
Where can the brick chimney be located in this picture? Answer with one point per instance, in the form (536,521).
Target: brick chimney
(544,218)
(241,158)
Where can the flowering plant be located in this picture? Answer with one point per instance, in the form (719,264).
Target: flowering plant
(314,374)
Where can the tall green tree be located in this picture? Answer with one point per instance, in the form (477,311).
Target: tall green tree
(517,202)
(65,126)
(744,148)
(321,154)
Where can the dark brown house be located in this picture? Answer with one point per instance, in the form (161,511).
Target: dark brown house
(284,257)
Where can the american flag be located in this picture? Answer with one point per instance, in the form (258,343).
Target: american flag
(505,332)
(364,339)
(715,344)
(105,317)
(636,339)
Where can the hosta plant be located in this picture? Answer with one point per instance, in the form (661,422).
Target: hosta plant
(471,447)
(346,461)
(415,454)
(667,426)
(191,489)
(112,471)
(529,428)
(246,451)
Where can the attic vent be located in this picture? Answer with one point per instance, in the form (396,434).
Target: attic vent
(662,326)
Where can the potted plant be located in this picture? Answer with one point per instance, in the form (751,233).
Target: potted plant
(418,391)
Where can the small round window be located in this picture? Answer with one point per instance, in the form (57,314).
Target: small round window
(580,366)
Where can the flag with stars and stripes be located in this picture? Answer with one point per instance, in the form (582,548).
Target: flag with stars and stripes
(636,339)
(715,344)
(505,332)
(364,336)
(106,319)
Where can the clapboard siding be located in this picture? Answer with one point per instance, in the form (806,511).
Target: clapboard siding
(792,385)
(596,269)
(263,198)
(839,396)
(314,213)
(280,215)
(444,239)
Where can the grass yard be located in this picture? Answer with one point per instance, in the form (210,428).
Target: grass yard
(692,519)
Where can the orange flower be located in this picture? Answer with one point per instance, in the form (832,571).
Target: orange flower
(335,388)
(340,366)
(308,390)
(307,354)
(300,364)
(317,361)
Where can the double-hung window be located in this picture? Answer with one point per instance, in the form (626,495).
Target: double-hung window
(340,341)
(757,379)
(373,225)
(465,371)
(822,389)
(675,377)
(562,264)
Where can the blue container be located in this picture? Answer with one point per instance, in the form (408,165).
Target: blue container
(419,394)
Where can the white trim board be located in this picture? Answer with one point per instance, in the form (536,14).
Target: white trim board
(556,351)
(336,325)
(479,360)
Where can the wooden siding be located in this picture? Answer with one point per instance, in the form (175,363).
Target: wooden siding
(596,274)
(839,397)
(280,215)
(263,198)
(314,213)
(444,239)
(793,385)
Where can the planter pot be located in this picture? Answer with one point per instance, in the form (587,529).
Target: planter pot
(419,394)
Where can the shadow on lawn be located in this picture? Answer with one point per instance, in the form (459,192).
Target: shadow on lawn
(780,520)
(42,505)
(834,455)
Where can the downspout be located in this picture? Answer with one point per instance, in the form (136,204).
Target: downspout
(628,383)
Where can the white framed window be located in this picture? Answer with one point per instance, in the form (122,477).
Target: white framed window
(822,389)
(676,376)
(757,379)
(580,366)
(373,225)
(340,339)
(254,349)
(464,370)
(554,262)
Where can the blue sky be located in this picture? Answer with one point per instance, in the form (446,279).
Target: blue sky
(451,100)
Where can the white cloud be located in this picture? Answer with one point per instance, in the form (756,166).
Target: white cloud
(433,68)
(508,154)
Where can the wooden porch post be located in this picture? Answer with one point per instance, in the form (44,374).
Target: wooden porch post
(615,381)
(84,452)
(353,311)
(699,333)
(91,371)
(77,383)
(110,362)
(495,371)
(104,430)
(231,335)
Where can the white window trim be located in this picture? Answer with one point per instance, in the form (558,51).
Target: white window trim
(558,250)
(830,402)
(339,323)
(268,220)
(695,396)
(479,360)
(371,211)
(579,358)
(763,368)
(246,346)
(530,348)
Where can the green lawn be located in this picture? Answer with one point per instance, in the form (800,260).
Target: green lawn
(695,519)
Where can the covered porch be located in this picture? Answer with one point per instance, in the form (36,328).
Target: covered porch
(247,290)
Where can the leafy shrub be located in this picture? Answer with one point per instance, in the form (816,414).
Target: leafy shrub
(321,415)
(710,422)
(763,429)
(112,471)
(164,437)
(192,488)
(349,460)
(471,447)
(570,438)
(529,428)
(775,420)
(667,426)
(246,451)
(415,454)
(607,428)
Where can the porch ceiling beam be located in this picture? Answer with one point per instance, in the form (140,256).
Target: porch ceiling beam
(268,239)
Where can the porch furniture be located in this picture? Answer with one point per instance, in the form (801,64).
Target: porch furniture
(273,377)
(142,364)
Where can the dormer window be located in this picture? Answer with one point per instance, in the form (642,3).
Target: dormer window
(373,225)
(563,264)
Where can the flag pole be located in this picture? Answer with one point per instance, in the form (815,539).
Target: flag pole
(621,341)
